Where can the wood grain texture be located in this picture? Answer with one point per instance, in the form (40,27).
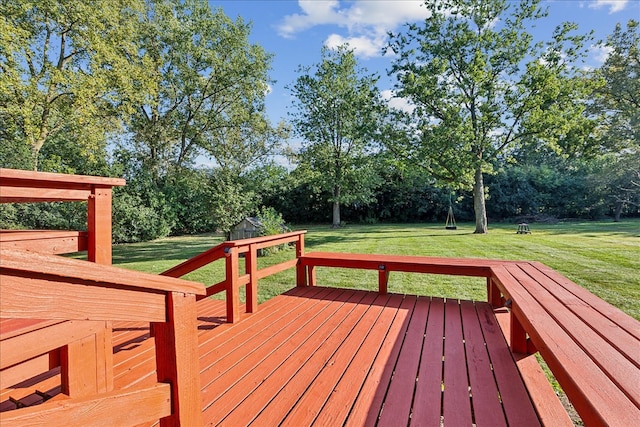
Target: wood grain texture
(547,405)
(112,409)
(177,360)
(35,341)
(45,241)
(26,263)
(23,297)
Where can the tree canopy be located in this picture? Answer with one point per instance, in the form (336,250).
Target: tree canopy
(170,94)
(479,85)
(66,70)
(337,111)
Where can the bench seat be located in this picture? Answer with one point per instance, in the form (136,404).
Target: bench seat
(591,347)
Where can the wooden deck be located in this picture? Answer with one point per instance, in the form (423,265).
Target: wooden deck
(320,356)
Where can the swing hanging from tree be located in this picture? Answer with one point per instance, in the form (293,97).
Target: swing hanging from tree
(451,220)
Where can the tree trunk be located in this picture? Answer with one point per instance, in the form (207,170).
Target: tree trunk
(35,153)
(618,211)
(336,207)
(478,202)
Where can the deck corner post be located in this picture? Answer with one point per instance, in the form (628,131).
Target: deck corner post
(301,274)
(252,286)
(233,294)
(99,225)
(177,359)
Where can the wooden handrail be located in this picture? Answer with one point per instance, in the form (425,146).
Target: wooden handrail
(21,186)
(268,241)
(230,251)
(29,186)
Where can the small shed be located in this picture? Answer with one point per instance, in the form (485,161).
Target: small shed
(248,228)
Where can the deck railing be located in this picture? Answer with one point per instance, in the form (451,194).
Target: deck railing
(234,278)
(81,297)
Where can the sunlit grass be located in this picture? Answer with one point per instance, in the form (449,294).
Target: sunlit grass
(601,256)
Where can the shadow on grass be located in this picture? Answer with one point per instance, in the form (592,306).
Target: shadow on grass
(163,250)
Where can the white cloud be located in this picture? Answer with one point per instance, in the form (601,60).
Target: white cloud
(613,5)
(600,53)
(363,46)
(315,12)
(397,103)
(366,22)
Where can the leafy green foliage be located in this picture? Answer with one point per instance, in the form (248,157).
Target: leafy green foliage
(208,88)
(272,221)
(479,87)
(337,113)
(619,97)
(66,70)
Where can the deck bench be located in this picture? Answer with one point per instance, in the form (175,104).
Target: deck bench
(592,348)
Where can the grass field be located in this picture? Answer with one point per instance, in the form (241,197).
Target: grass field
(604,257)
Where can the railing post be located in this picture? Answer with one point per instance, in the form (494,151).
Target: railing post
(383,279)
(99,225)
(252,286)
(301,275)
(233,294)
(493,294)
(177,359)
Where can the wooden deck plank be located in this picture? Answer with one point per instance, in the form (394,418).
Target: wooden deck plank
(398,402)
(485,399)
(285,354)
(312,402)
(227,339)
(339,404)
(456,405)
(515,399)
(428,396)
(217,366)
(292,358)
(366,409)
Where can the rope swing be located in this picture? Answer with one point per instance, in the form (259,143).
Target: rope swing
(451,220)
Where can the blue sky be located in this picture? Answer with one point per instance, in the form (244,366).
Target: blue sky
(295,31)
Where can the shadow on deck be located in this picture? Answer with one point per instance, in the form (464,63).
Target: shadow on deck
(320,356)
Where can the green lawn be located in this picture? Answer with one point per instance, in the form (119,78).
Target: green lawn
(604,257)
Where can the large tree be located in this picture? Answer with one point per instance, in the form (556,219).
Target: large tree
(64,68)
(479,86)
(337,111)
(619,99)
(210,83)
